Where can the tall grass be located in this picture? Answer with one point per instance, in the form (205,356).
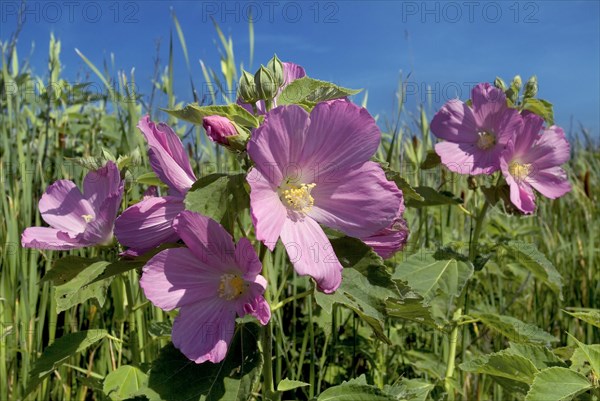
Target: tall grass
(44,130)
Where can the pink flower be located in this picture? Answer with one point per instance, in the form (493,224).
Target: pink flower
(147,224)
(211,281)
(317,169)
(475,136)
(218,128)
(291,72)
(532,161)
(78,220)
(391,239)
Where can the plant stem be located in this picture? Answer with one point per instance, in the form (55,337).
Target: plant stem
(477,232)
(267,346)
(450,364)
(290,299)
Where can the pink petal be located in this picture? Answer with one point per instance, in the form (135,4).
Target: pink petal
(550,150)
(147,224)
(455,122)
(276,145)
(48,238)
(63,207)
(100,230)
(391,239)
(522,196)
(203,331)
(247,259)
(267,211)
(100,184)
(341,136)
(175,277)
(259,308)
(167,155)
(206,238)
(551,182)
(311,253)
(489,103)
(358,202)
(527,135)
(292,72)
(460,158)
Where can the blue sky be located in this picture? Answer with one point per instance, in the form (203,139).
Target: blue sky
(447,45)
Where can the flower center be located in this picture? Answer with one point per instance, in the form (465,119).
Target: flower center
(486,140)
(519,171)
(232,286)
(87,217)
(297,197)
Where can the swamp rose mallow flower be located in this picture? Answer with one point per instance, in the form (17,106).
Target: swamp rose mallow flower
(212,281)
(474,136)
(147,224)
(218,128)
(78,219)
(316,168)
(532,161)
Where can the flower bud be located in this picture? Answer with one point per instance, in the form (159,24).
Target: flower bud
(517,83)
(266,87)
(225,132)
(275,67)
(247,89)
(499,83)
(531,87)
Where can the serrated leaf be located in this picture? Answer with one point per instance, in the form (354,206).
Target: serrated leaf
(309,92)
(431,197)
(528,256)
(150,178)
(503,364)
(287,385)
(592,353)
(542,108)
(125,382)
(557,384)
(195,113)
(58,352)
(354,392)
(175,378)
(409,390)
(78,288)
(218,196)
(591,316)
(539,355)
(366,284)
(515,329)
(407,191)
(429,273)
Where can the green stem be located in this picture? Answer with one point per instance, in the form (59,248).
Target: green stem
(291,299)
(477,232)
(450,364)
(267,346)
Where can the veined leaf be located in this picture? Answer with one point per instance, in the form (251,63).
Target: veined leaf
(354,392)
(124,382)
(528,256)
(58,352)
(503,364)
(309,92)
(589,316)
(515,329)
(195,113)
(557,384)
(287,385)
(175,378)
(431,197)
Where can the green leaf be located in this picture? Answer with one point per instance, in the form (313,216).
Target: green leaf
(539,355)
(218,196)
(542,108)
(431,197)
(557,384)
(354,392)
(410,390)
(74,275)
(407,191)
(592,353)
(150,178)
(124,382)
(59,352)
(175,378)
(590,316)
(432,160)
(515,329)
(528,256)
(307,91)
(431,273)
(503,364)
(195,113)
(287,385)
(366,284)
